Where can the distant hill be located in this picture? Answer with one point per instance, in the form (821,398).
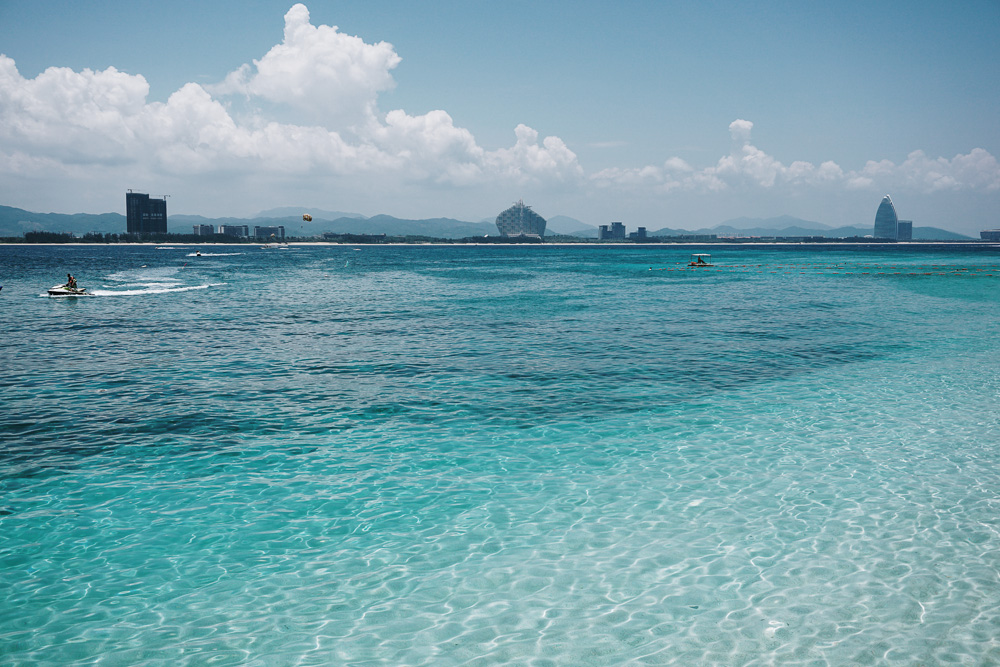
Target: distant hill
(794,230)
(780,222)
(566,226)
(935,234)
(297,211)
(446,228)
(788,226)
(16,221)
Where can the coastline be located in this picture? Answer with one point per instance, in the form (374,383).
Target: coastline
(725,244)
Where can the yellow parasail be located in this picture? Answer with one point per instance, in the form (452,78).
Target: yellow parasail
(307,217)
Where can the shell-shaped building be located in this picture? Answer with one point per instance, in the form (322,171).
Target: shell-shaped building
(520,220)
(885,220)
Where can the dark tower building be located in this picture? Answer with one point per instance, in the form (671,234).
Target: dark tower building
(144,215)
(267,232)
(904,230)
(885,220)
(615,231)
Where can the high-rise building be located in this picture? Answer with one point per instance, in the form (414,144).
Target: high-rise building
(886,220)
(268,232)
(233,230)
(904,230)
(520,220)
(616,230)
(203,230)
(144,215)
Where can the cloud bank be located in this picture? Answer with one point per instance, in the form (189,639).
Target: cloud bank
(748,167)
(67,117)
(64,124)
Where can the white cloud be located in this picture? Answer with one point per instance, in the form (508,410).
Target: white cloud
(528,162)
(978,170)
(676,164)
(739,130)
(71,116)
(430,146)
(334,77)
(104,117)
(337,79)
(750,167)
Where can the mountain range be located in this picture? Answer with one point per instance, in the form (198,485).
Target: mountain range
(296,211)
(788,226)
(15,222)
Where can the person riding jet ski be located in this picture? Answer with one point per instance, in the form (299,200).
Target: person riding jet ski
(69,289)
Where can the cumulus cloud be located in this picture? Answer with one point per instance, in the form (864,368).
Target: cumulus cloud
(99,118)
(739,130)
(335,77)
(527,161)
(747,166)
(104,117)
(976,170)
(73,116)
(676,164)
(430,146)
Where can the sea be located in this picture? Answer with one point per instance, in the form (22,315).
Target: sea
(532,455)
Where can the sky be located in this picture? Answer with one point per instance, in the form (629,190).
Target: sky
(656,114)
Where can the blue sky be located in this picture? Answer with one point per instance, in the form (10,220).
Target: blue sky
(654,113)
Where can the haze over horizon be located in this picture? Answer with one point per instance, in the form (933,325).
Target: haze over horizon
(654,114)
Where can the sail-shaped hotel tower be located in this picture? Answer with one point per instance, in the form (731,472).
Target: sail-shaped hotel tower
(886,221)
(520,220)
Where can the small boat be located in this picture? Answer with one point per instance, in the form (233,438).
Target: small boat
(701,259)
(66,290)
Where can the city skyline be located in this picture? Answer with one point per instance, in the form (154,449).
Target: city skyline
(656,114)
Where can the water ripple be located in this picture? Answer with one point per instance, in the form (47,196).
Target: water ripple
(548,456)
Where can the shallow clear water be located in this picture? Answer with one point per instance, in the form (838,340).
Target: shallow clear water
(426,455)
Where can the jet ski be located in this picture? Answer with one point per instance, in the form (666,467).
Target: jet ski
(66,290)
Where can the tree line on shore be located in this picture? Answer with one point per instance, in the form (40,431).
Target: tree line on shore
(193,239)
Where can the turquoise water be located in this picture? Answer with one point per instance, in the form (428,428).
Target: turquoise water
(425,455)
